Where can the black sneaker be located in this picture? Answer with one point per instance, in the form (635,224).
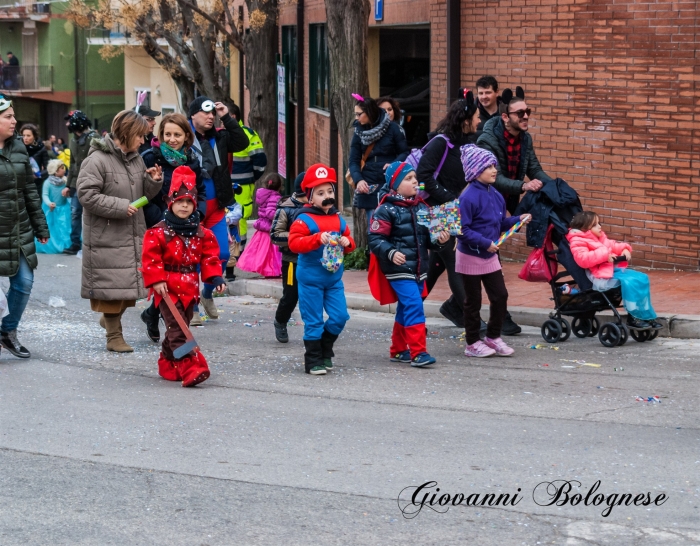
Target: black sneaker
(452,313)
(9,341)
(510,328)
(281,332)
(72,250)
(151,323)
(636,323)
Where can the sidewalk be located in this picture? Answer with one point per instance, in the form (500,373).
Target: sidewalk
(675,296)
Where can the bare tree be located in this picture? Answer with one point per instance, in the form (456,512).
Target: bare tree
(348,26)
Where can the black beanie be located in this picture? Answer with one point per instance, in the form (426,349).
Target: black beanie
(196,105)
(297,182)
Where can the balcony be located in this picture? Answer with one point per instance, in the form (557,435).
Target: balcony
(21,9)
(26,79)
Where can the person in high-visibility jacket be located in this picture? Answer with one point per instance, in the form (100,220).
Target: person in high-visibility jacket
(248,166)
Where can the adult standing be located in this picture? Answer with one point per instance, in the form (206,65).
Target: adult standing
(78,124)
(111,178)
(457,128)
(21,220)
(37,151)
(212,148)
(393,110)
(150,117)
(508,139)
(11,71)
(487,96)
(376,144)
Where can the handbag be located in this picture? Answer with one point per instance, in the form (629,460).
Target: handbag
(348,176)
(538,266)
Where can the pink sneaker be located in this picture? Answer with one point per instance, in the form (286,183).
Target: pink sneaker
(479,350)
(499,346)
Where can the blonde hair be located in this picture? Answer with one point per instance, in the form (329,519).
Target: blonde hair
(53,166)
(127,126)
(182,123)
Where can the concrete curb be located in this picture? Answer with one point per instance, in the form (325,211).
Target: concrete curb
(676,326)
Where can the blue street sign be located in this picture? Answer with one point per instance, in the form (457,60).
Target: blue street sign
(378,10)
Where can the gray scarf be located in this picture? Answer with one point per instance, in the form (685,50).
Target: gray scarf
(369,136)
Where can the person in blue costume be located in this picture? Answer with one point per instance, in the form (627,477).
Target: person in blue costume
(317,226)
(56,209)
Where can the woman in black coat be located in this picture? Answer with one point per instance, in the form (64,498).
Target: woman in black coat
(374,128)
(37,152)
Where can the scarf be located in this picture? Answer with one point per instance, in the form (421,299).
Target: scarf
(56,180)
(186,227)
(375,133)
(172,156)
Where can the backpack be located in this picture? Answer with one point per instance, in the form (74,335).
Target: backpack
(415,156)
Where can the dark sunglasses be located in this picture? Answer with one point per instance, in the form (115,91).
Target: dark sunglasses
(521,113)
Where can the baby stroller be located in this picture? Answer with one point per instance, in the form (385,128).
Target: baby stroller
(584,305)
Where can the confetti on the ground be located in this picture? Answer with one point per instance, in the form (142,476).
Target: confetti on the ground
(541,347)
(653,399)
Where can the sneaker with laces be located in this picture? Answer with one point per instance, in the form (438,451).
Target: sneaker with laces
(318,370)
(499,346)
(423,359)
(404,357)
(479,350)
(10,342)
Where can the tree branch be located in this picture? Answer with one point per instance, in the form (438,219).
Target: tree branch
(233,39)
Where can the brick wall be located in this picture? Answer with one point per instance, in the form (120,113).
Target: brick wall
(614,88)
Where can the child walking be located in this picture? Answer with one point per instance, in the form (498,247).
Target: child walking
(320,287)
(56,209)
(401,246)
(287,210)
(483,213)
(593,251)
(172,250)
(260,255)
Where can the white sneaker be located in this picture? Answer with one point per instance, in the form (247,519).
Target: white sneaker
(479,350)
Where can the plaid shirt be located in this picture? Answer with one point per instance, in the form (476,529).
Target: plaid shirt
(513,153)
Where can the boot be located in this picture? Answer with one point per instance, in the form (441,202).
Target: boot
(281,332)
(102,322)
(150,318)
(168,369)
(327,342)
(193,369)
(510,328)
(209,307)
(313,357)
(453,312)
(115,340)
(230,276)
(10,342)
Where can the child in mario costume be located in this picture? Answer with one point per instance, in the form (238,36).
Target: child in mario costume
(317,225)
(172,250)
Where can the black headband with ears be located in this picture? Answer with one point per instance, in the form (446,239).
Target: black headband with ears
(468,97)
(507,95)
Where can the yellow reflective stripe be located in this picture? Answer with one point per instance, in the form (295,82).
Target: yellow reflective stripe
(290,274)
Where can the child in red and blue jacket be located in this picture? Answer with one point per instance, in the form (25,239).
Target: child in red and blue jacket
(319,288)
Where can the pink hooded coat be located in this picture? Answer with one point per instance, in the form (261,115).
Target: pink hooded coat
(267,205)
(591,252)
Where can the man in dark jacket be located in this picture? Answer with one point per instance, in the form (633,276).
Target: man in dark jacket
(80,126)
(488,99)
(212,148)
(150,116)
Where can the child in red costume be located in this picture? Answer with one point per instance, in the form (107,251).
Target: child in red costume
(172,250)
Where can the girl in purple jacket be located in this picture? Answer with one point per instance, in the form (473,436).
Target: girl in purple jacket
(483,215)
(260,255)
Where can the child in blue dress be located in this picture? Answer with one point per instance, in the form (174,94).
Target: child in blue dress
(56,209)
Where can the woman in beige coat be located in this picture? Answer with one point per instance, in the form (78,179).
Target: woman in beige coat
(111,178)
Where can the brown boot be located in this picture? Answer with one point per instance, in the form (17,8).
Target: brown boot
(115,340)
(102,322)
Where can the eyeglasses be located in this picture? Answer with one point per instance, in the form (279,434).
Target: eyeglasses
(150,120)
(358,114)
(521,113)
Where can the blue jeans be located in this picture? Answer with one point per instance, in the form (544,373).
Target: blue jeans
(76,221)
(17,298)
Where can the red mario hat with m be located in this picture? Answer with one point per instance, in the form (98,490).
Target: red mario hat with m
(183,185)
(315,176)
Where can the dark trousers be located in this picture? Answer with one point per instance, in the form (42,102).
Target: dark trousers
(174,336)
(495,286)
(76,220)
(444,260)
(290,293)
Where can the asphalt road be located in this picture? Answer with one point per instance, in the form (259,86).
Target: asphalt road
(97,449)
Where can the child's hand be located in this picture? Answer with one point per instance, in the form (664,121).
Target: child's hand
(525,218)
(399,258)
(220,289)
(65,192)
(325,238)
(160,288)
(344,242)
(52,206)
(627,254)
(443,237)
(492,249)
(611,258)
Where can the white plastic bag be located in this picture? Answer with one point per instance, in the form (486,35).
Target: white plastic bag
(4,311)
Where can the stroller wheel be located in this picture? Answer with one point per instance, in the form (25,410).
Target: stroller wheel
(653,335)
(551,331)
(595,326)
(565,329)
(625,333)
(641,335)
(582,327)
(609,334)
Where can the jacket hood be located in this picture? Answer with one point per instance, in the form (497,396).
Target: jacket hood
(107,145)
(494,126)
(589,235)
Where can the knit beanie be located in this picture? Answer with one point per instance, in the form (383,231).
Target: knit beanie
(297,183)
(196,106)
(475,161)
(53,165)
(396,172)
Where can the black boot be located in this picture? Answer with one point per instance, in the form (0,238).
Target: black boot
(281,332)
(637,323)
(10,342)
(327,342)
(230,277)
(313,358)
(452,311)
(510,328)
(150,318)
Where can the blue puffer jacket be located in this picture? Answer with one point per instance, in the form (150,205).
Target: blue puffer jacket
(392,146)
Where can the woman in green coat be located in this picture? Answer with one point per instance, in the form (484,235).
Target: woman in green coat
(21,219)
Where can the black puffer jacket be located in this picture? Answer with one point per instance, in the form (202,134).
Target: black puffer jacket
(157,206)
(21,217)
(41,156)
(394,229)
(450,181)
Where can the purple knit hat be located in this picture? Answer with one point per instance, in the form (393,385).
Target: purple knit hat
(475,161)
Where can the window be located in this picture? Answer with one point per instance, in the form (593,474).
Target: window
(318,67)
(167,109)
(289,57)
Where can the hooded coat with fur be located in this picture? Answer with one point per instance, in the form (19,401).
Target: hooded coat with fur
(592,252)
